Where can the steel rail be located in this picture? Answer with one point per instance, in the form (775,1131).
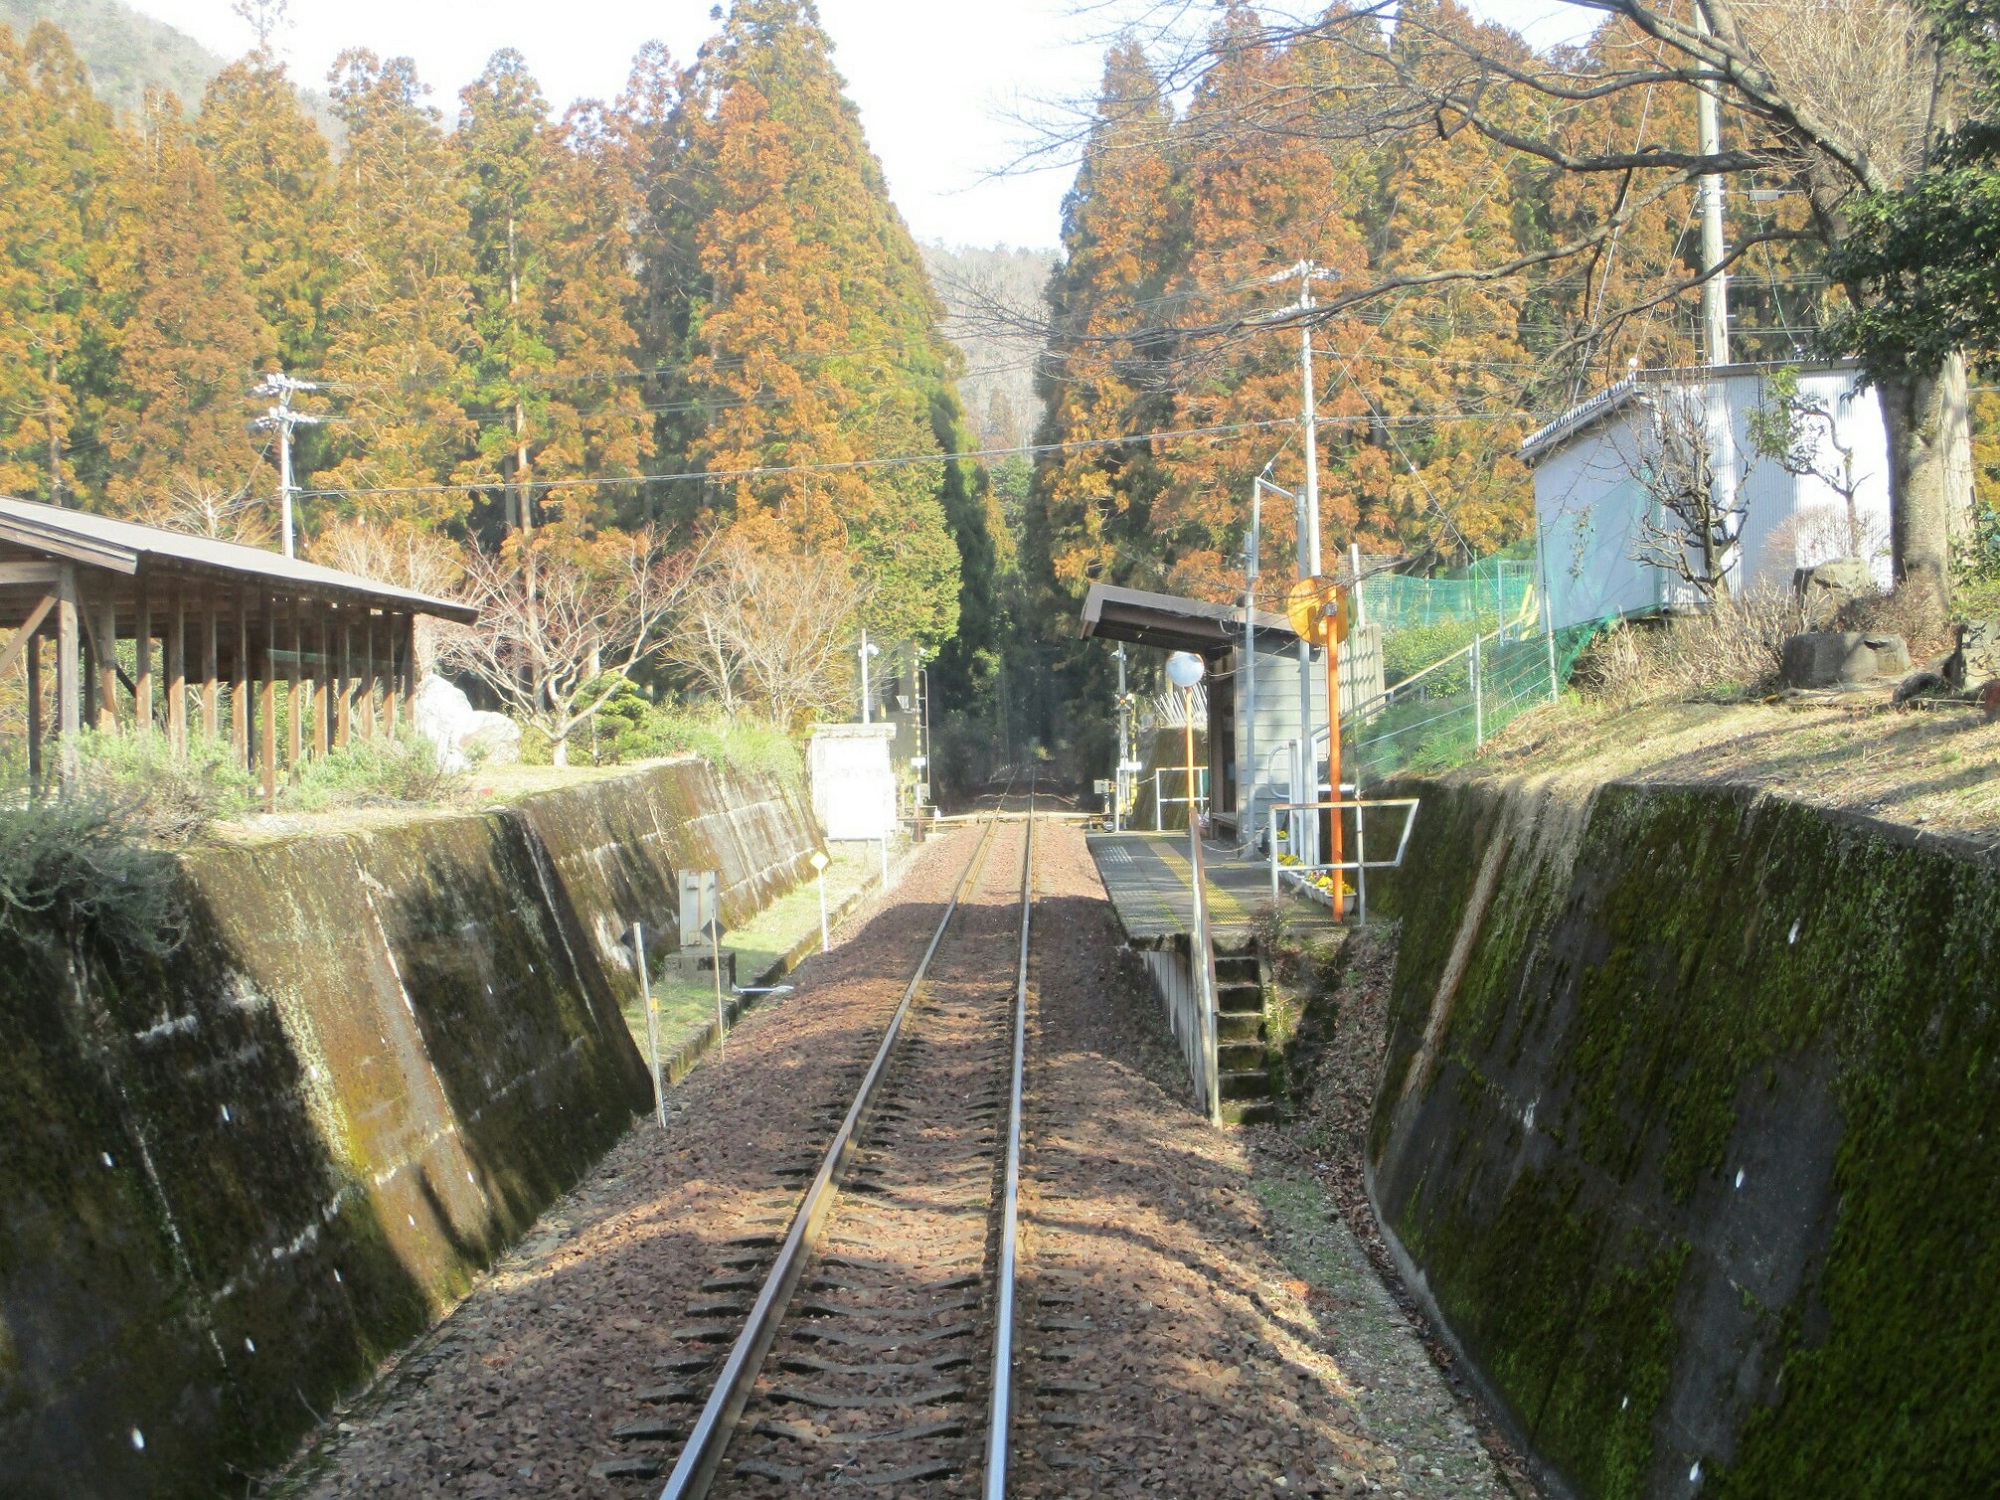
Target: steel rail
(701,1457)
(1002,1387)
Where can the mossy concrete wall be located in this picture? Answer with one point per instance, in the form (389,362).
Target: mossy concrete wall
(231,1182)
(1689,1131)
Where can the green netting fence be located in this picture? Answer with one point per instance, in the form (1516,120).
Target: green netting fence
(1440,714)
(1492,590)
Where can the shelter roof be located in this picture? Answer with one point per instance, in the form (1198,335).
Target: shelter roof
(133,549)
(1586,414)
(1170,622)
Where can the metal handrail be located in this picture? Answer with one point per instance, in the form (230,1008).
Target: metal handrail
(1361,864)
(1199,801)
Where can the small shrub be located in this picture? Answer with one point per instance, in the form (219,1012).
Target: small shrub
(1410,650)
(631,727)
(389,771)
(79,866)
(1733,650)
(160,795)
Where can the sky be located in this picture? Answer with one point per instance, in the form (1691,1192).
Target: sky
(943,86)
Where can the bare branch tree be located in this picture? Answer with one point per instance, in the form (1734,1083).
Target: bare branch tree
(1799,434)
(598,608)
(773,628)
(1692,527)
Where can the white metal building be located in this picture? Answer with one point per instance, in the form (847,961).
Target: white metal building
(1592,501)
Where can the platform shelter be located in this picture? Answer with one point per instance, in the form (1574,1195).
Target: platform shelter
(244,633)
(1252,754)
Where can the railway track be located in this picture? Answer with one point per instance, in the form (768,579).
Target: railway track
(878,1348)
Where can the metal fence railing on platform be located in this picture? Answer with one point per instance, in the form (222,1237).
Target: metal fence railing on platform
(1304,875)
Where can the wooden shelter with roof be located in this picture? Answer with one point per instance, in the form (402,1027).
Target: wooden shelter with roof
(234,622)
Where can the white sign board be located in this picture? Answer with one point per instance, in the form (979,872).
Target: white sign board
(853,787)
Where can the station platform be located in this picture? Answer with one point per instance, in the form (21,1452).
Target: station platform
(1150,883)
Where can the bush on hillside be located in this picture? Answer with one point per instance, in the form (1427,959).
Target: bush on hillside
(160,795)
(80,866)
(1731,651)
(400,770)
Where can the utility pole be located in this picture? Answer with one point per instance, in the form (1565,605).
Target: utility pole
(1715,298)
(1253,547)
(1715,282)
(1307,503)
(281,419)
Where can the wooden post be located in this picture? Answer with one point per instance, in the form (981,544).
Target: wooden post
(267,706)
(323,710)
(142,658)
(345,724)
(35,710)
(368,676)
(177,718)
(69,672)
(239,686)
(295,696)
(392,699)
(105,647)
(410,679)
(211,674)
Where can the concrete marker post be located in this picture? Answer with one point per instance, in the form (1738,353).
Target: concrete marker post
(819,869)
(715,963)
(652,1027)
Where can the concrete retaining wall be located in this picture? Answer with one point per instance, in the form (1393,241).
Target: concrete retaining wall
(1689,1132)
(230,1183)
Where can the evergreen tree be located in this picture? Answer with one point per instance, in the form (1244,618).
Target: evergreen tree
(1262,196)
(59,153)
(1123,231)
(502,158)
(649,135)
(187,353)
(271,168)
(550,208)
(597,423)
(817,344)
(401,336)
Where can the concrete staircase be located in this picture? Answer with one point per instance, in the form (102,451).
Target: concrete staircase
(1242,1038)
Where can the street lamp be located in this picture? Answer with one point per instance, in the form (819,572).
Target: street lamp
(867,650)
(1185,671)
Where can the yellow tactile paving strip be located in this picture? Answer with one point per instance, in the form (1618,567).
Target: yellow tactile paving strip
(1149,880)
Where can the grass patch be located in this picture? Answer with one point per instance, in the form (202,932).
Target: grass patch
(682,1008)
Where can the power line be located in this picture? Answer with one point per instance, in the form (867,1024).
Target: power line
(1026,450)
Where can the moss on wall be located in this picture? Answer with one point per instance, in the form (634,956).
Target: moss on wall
(230,1183)
(1700,1156)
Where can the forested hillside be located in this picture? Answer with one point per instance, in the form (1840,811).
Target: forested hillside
(125,52)
(993,299)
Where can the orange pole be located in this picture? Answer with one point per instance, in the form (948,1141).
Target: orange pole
(1335,842)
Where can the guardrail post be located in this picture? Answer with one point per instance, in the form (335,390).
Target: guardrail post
(1360,861)
(1478,703)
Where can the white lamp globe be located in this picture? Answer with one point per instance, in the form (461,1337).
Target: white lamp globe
(1184,669)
